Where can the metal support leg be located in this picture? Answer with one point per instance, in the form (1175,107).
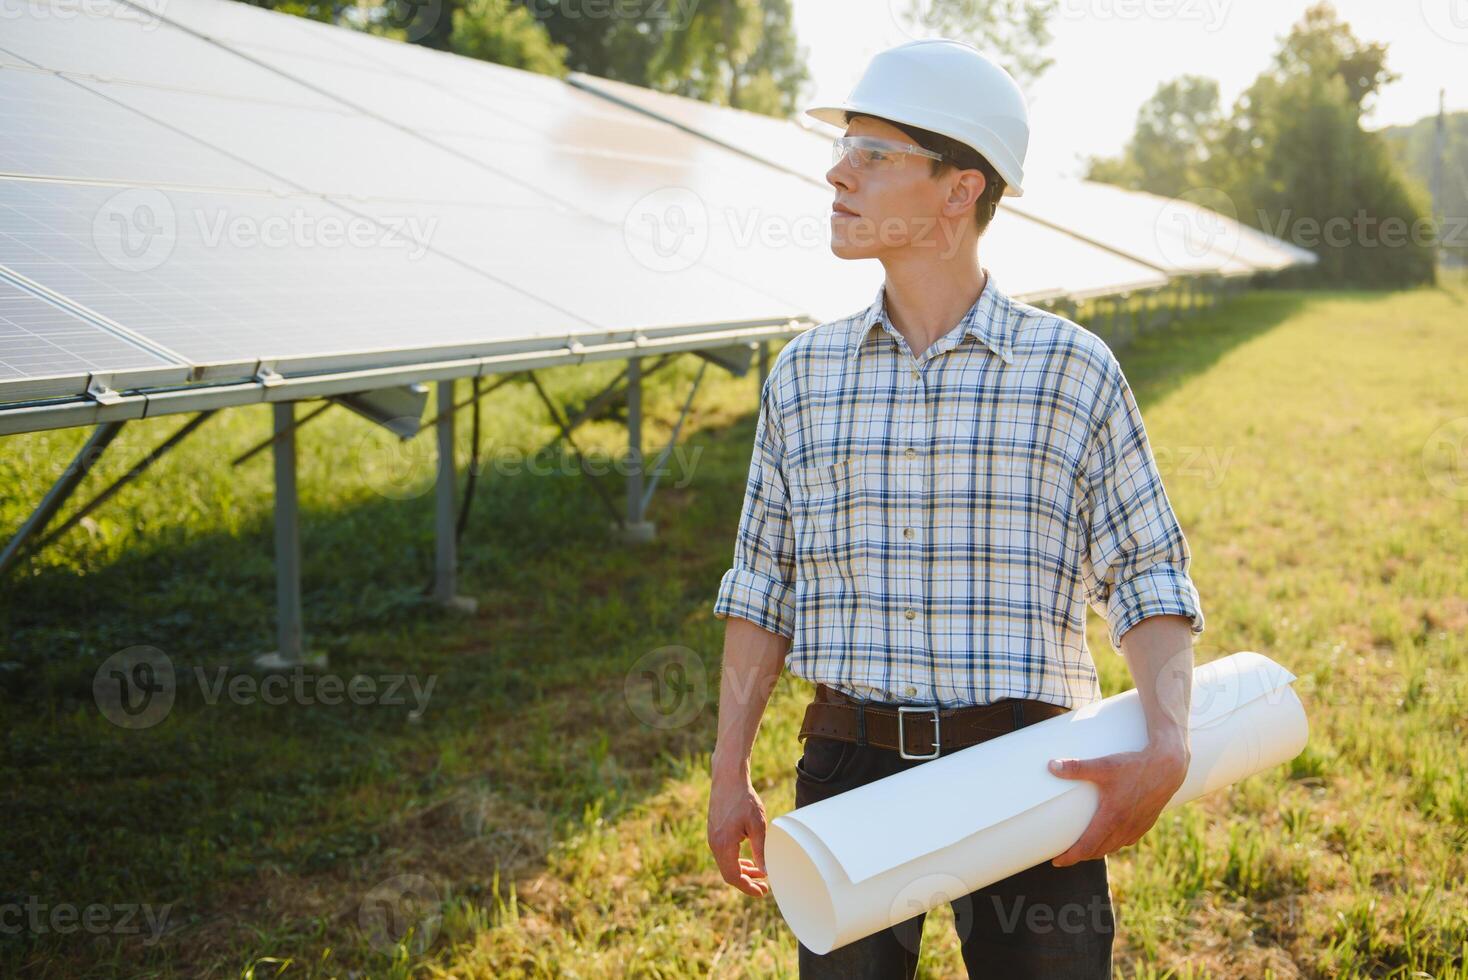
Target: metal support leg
(139,468)
(290,651)
(634,528)
(446,554)
(62,489)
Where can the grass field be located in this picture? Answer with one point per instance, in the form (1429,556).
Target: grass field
(1315,447)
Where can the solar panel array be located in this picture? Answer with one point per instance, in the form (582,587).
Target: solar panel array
(237,218)
(207,191)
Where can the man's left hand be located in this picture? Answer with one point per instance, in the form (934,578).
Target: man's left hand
(1133,788)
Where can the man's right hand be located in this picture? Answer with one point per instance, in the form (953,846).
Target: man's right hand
(735,813)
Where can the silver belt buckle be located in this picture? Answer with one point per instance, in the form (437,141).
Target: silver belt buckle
(902,712)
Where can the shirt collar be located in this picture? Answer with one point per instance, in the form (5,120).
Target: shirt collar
(988,320)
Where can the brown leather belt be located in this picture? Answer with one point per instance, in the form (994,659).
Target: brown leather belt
(910,730)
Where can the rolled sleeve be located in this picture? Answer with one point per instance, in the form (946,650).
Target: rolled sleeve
(1136,561)
(760,586)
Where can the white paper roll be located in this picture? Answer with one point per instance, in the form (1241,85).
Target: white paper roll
(871,857)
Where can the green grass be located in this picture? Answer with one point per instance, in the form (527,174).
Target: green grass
(553,833)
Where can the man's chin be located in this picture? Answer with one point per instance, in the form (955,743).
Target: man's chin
(846,250)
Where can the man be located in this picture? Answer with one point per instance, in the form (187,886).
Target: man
(940,485)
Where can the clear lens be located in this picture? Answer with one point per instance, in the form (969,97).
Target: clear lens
(838,152)
(868,152)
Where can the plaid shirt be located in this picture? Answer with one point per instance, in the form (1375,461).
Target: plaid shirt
(930,530)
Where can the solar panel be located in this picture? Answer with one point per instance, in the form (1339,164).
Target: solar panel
(47,352)
(57,127)
(612,166)
(624,168)
(781,142)
(91,46)
(1031,260)
(226,304)
(238,21)
(1209,215)
(333,150)
(229,279)
(1153,229)
(587,267)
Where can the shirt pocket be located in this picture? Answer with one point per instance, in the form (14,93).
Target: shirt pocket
(831,509)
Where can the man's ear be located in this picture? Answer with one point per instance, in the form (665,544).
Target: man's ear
(967,190)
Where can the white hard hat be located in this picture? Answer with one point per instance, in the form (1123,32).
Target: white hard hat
(949,87)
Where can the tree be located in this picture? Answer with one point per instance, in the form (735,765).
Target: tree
(618,48)
(771,79)
(1296,158)
(1414,147)
(1293,158)
(1170,149)
(1322,45)
(426,22)
(740,53)
(506,33)
(705,58)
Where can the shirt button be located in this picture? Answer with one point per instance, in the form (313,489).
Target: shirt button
(910,613)
(909,690)
(914,374)
(911,453)
(907,532)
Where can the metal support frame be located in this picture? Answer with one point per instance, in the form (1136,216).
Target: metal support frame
(290,633)
(446,548)
(657,466)
(600,404)
(1122,317)
(275,437)
(62,489)
(138,469)
(635,527)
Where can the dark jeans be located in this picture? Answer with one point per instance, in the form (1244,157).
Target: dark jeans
(1045,921)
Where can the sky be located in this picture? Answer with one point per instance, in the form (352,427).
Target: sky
(1110,56)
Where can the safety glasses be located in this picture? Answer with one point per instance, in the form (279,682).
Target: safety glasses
(872,153)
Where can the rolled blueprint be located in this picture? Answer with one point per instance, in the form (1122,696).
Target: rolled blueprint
(874,856)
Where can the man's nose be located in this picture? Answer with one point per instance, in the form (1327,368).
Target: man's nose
(840,174)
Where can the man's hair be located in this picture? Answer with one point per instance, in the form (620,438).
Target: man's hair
(955,154)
